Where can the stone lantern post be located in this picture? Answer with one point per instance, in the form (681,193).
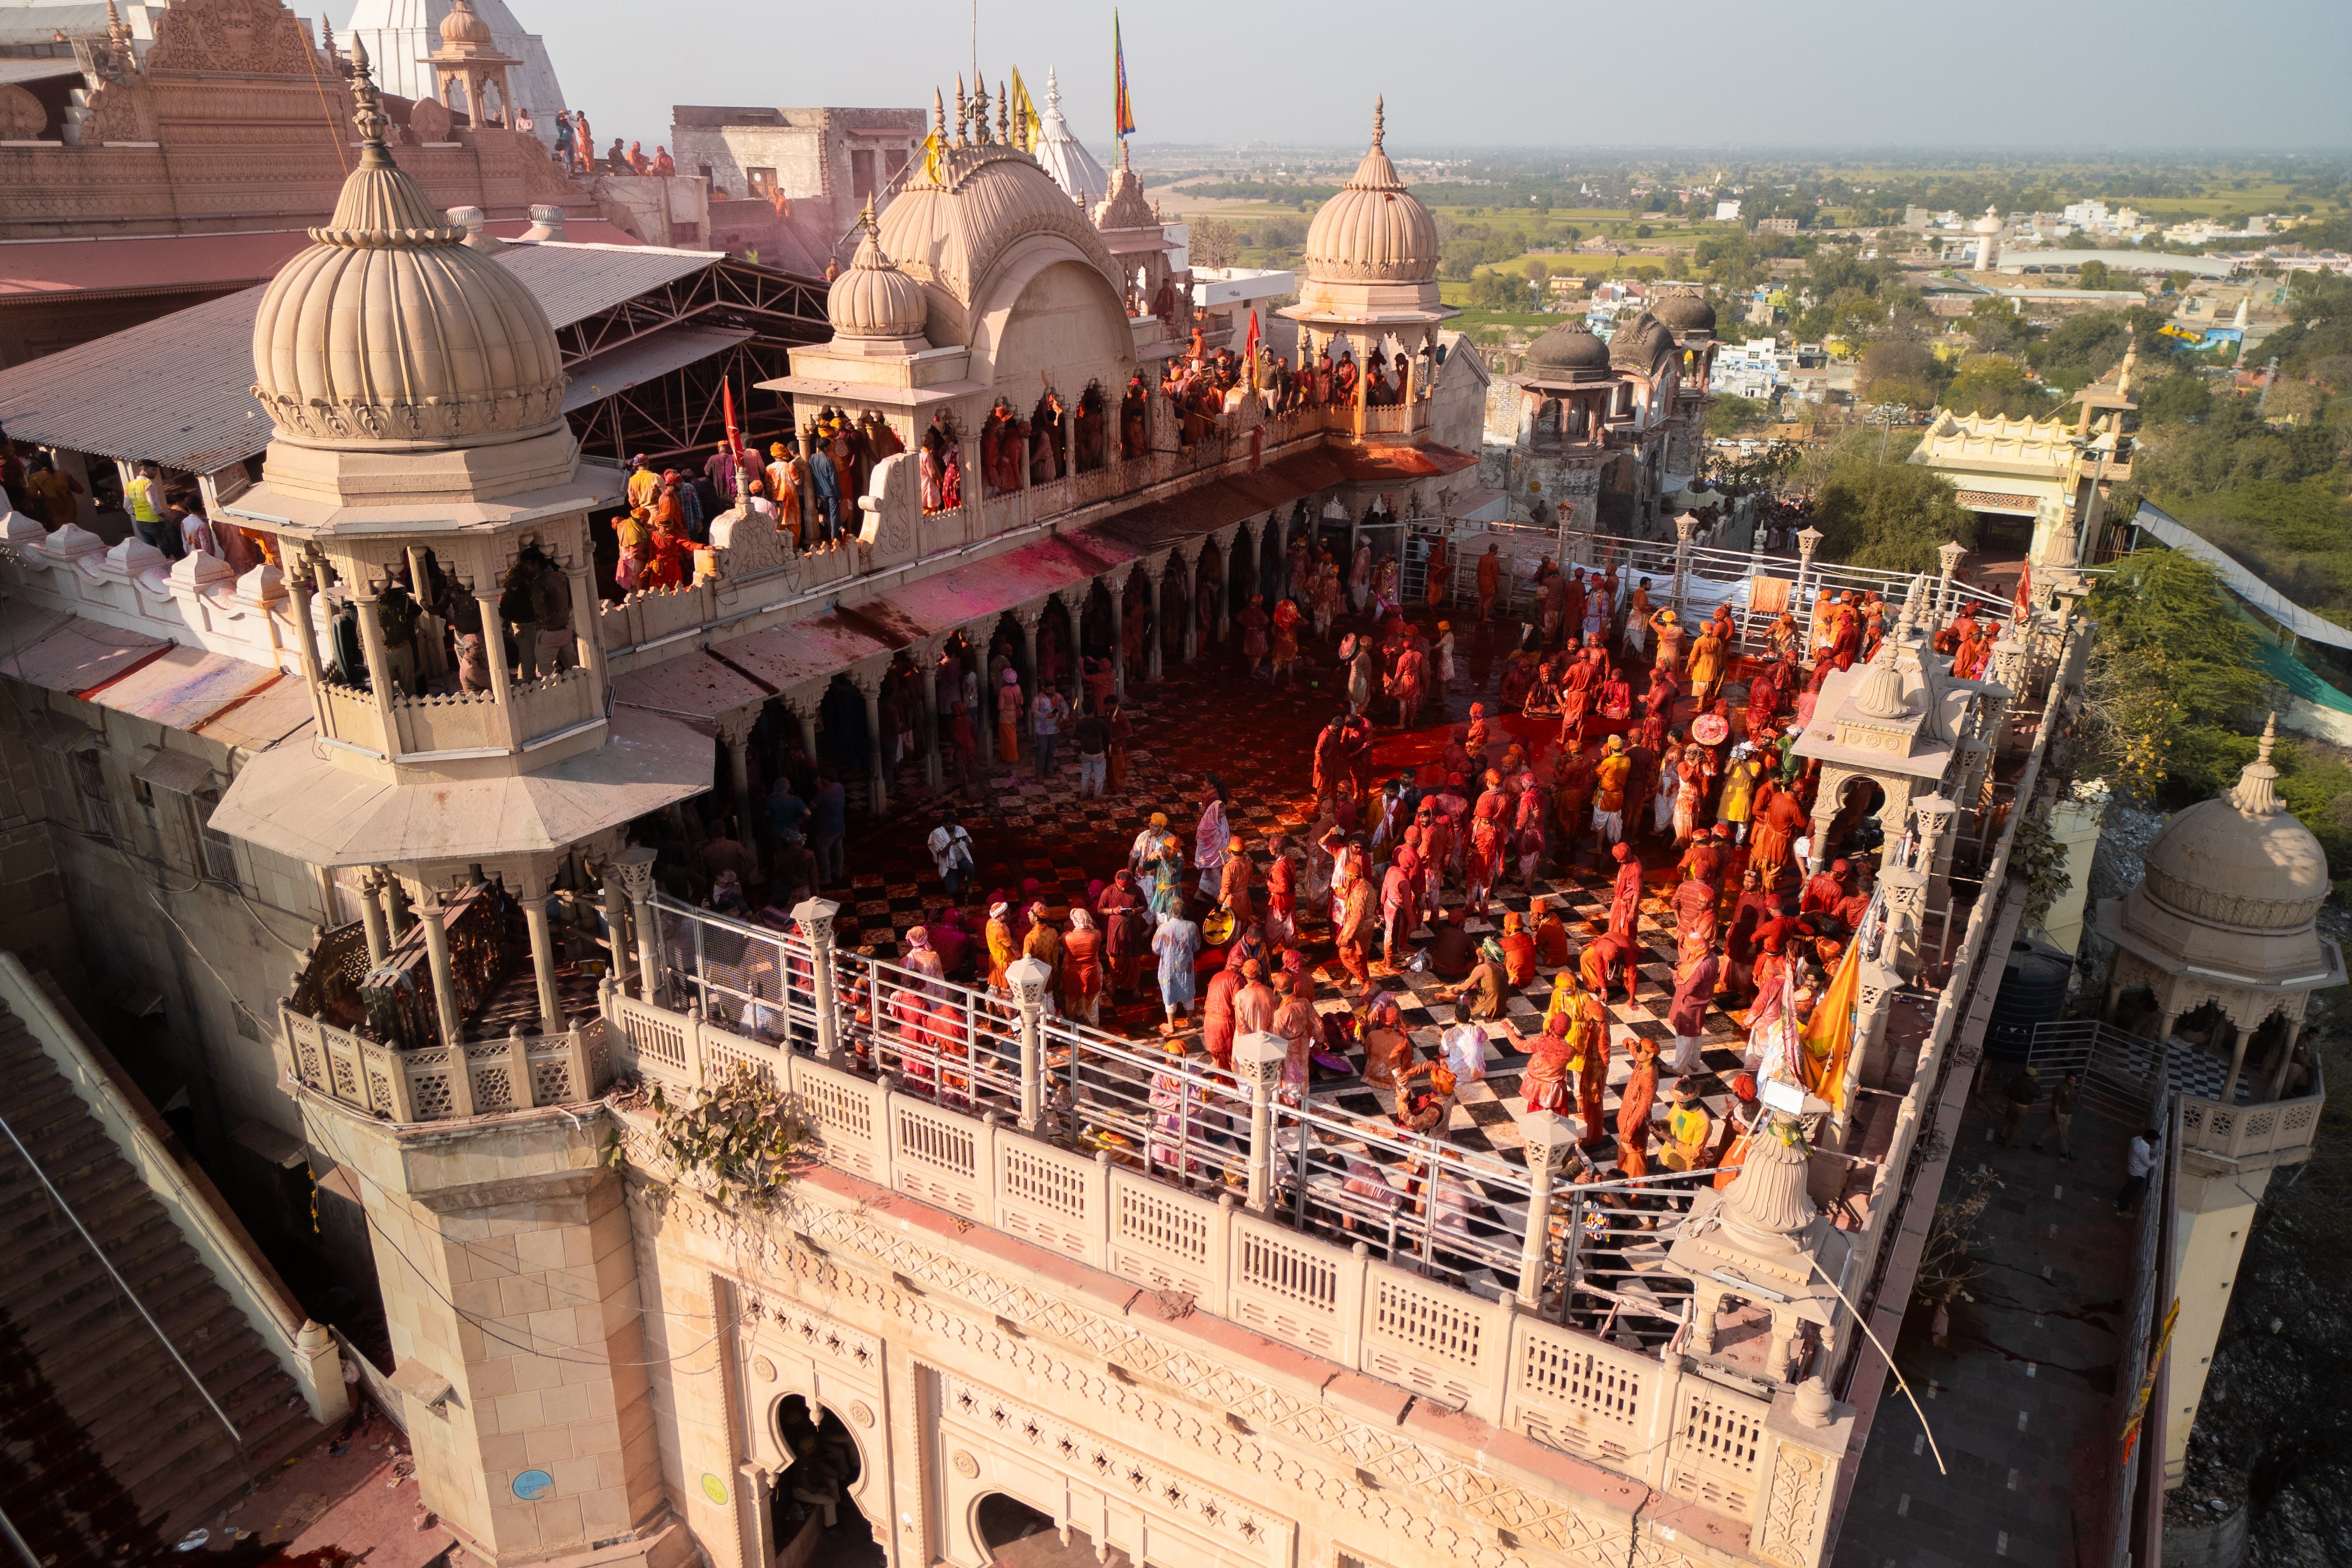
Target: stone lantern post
(1259,1058)
(1686,524)
(1548,1136)
(1947,600)
(1028,978)
(814,917)
(1808,540)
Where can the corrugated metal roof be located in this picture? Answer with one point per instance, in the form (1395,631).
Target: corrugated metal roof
(35,24)
(16,73)
(107,396)
(650,358)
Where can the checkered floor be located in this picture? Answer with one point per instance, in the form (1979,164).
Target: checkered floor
(1256,739)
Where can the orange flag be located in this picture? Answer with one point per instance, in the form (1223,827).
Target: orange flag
(1829,1032)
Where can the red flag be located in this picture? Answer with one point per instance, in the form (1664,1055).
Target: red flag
(734,441)
(2024,599)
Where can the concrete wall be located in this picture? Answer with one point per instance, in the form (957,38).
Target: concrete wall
(2214,1216)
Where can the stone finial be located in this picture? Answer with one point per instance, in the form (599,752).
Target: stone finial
(368,113)
(1003,116)
(1814,1405)
(938,117)
(963,110)
(2257,791)
(1380,119)
(1880,695)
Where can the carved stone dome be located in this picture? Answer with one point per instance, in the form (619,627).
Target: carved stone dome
(1570,352)
(873,299)
(1374,230)
(2240,860)
(1640,343)
(463,26)
(950,229)
(389,330)
(1686,310)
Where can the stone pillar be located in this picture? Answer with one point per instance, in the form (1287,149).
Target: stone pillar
(1548,1136)
(371,917)
(735,734)
(616,921)
(869,686)
(519,1068)
(1118,636)
(1072,603)
(1151,655)
(634,868)
(815,918)
(1258,1057)
(1683,526)
(1873,1007)
(306,644)
(1191,604)
(2237,1062)
(1225,586)
(934,769)
(431,914)
(585,607)
(543,948)
(1027,978)
(494,645)
(1948,557)
(2287,1056)
(1029,616)
(379,663)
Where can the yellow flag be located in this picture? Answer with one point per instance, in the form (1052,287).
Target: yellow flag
(931,157)
(1829,1034)
(1025,123)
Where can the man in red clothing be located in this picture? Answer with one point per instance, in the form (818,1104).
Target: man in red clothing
(1549,935)
(1626,897)
(1603,956)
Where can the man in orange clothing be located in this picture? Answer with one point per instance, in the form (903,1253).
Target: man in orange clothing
(1518,952)
(1549,935)
(1641,1092)
(1609,790)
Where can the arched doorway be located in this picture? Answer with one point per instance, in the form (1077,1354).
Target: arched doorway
(811,1516)
(1016,1535)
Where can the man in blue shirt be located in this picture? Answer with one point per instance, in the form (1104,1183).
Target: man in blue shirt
(828,825)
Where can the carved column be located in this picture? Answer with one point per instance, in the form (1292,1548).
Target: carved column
(371,917)
(1154,643)
(1029,614)
(634,868)
(494,646)
(1808,542)
(1684,525)
(431,914)
(933,770)
(1225,554)
(1117,595)
(1258,1057)
(1073,602)
(1946,601)
(380,685)
(616,919)
(585,607)
(306,644)
(535,889)
(869,686)
(735,734)
(1879,982)
(1191,611)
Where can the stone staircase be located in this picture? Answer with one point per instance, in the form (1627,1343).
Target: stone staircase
(107,1452)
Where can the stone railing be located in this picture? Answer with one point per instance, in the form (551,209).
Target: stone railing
(1724,1445)
(2274,1132)
(197,601)
(407,1086)
(353,718)
(554,705)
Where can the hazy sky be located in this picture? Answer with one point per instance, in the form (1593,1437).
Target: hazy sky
(2154,74)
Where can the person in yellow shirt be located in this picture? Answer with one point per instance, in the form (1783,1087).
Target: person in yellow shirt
(53,490)
(144,496)
(1689,1129)
(1739,791)
(644,483)
(1609,790)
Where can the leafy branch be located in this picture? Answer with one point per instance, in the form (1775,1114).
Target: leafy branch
(740,1133)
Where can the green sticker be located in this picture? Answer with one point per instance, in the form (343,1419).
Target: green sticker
(714,1488)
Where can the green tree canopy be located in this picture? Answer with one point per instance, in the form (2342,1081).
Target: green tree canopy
(1892,515)
(1732,414)
(2172,678)
(2095,275)
(1995,384)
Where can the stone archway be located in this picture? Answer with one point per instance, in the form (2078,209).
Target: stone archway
(1016,1535)
(812,1513)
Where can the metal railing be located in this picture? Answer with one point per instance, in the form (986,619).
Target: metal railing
(2128,1076)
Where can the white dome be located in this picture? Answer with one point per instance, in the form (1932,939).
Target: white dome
(1063,155)
(390,329)
(1374,230)
(873,299)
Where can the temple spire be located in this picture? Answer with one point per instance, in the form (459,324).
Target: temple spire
(369,113)
(963,110)
(1380,119)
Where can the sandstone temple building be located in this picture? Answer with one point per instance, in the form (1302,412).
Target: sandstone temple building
(396,924)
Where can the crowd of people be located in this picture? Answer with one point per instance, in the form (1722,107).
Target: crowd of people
(1616,745)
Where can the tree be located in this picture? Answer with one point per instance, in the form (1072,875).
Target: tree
(1995,384)
(1732,414)
(2171,678)
(1215,243)
(2095,275)
(1899,371)
(1892,515)
(2181,398)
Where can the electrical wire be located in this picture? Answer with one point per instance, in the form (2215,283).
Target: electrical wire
(491,1328)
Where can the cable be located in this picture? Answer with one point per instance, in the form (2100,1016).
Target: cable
(108,1264)
(1887,1355)
(491,1330)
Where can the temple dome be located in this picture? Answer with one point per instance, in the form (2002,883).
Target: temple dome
(1686,310)
(463,26)
(2240,861)
(873,299)
(1374,230)
(1570,352)
(1640,342)
(949,227)
(389,329)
